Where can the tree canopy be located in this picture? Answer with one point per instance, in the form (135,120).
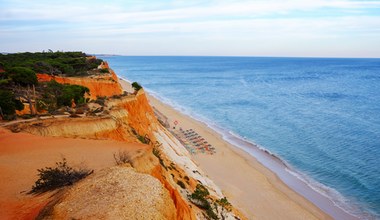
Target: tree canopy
(22,76)
(56,95)
(18,80)
(54,63)
(8,103)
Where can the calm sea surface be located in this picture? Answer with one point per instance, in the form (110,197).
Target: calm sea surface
(321,116)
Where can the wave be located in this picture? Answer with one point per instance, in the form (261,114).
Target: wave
(280,167)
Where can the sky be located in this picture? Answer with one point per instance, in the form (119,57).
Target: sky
(292,28)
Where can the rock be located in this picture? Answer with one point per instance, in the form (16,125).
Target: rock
(115,193)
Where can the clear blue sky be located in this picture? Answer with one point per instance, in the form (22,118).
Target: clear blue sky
(323,28)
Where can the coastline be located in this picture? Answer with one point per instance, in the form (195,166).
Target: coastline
(252,185)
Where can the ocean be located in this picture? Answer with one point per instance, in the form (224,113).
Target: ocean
(320,116)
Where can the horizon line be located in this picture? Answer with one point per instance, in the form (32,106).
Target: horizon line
(242,56)
(237,56)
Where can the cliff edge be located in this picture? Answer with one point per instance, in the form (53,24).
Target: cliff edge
(115,193)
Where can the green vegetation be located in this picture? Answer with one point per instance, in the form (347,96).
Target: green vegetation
(51,178)
(55,95)
(157,153)
(136,86)
(53,63)
(18,80)
(143,139)
(200,193)
(22,76)
(8,104)
(223,202)
(72,92)
(199,198)
(106,70)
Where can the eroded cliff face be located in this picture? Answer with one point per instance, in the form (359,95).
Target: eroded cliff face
(130,118)
(126,117)
(141,116)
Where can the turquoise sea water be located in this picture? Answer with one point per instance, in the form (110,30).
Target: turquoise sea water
(320,116)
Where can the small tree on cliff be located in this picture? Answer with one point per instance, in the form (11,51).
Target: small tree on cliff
(136,86)
(24,80)
(72,92)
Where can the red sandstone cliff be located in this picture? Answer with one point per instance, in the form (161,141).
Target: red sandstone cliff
(124,119)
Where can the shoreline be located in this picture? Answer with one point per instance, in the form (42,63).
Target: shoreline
(278,179)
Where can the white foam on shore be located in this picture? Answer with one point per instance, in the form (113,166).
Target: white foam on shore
(327,199)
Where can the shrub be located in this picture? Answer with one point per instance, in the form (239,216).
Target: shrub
(143,139)
(23,76)
(55,95)
(157,153)
(121,157)
(181,184)
(72,92)
(224,203)
(136,86)
(51,178)
(200,192)
(101,100)
(199,198)
(8,103)
(105,70)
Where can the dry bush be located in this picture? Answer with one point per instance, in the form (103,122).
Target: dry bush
(122,157)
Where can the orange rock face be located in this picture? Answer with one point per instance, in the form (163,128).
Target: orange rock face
(141,115)
(183,210)
(104,85)
(125,113)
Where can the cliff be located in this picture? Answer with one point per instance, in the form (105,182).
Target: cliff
(122,119)
(130,118)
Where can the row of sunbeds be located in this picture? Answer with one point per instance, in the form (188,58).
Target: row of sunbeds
(194,142)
